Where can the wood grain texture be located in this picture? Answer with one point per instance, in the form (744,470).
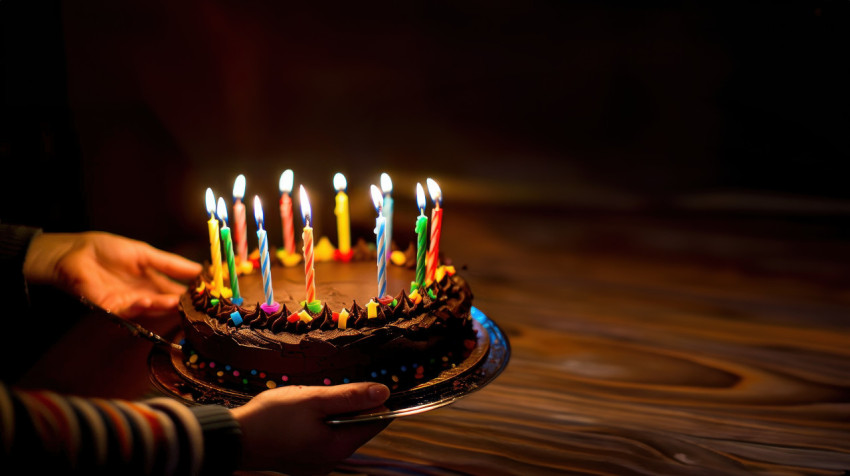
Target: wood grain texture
(646,346)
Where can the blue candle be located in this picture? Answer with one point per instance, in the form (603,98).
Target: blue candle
(387,188)
(270,306)
(380,236)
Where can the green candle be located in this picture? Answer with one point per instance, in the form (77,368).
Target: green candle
(228,251)
(421,227)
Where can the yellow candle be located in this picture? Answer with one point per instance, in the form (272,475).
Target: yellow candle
(305,316)
(342,322)
(215,244)
(343,225)
(371,309)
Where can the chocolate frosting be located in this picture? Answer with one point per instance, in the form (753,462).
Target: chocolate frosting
(262,339)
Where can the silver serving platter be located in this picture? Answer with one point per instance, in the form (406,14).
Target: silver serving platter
(482,366)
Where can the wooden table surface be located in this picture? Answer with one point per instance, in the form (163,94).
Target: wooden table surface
(683,343)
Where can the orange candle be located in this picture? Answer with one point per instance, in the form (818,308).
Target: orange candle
(307,236)
(433,258)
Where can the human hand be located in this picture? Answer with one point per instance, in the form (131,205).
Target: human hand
(123,276)
(284,429)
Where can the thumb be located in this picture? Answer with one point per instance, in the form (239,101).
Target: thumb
(351,397)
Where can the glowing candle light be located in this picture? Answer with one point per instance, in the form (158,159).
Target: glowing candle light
(285,185)
(387,188)
(343,225)
(307,236)
(228,251)
(269,306)
(421,237)
(433,258)
(240,225)
(380,236)
(215,244)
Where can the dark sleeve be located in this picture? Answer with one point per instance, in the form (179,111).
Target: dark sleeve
(14,242)
(222,439)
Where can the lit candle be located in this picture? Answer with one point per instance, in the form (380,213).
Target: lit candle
(215,244)
(421,237)
(342,218)
(269,306)
(380,236)
(387,188)
(240,225)
(433,258)
(307,236)
(228,251)
(285,185)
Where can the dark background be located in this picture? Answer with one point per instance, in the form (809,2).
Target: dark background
(117,115)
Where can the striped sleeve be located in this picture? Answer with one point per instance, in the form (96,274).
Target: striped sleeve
(47,432)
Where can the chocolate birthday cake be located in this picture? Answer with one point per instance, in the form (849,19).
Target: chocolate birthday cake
(352,335)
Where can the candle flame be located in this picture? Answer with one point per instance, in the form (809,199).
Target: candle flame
(377,198)
(222,210)
(420,196)
(339,182)
(434,190)
(239,187)
(386,183)
(305,206)
(286,181)
(210,199)
(258,211)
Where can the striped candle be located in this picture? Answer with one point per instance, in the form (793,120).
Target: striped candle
(380,236)
(433,258)
(307,236)
(387,209)
(262,237)
(240,225)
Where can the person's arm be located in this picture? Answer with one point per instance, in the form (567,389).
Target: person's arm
(46,432)
(282,430)
(123,276)
(14,243)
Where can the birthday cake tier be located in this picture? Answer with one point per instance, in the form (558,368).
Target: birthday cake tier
(352,335)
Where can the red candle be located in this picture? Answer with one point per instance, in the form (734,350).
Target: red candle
(240,226)
(285,184)
(433,258)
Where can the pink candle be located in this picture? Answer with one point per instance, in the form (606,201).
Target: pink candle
(433,258)
(285,184)
(307,236)
(240,226)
